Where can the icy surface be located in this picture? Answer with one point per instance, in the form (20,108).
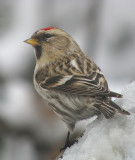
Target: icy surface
(108,139)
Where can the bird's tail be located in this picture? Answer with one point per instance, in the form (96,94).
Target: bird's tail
(109,108)
(114,94)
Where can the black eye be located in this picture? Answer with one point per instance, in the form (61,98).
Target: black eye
(48,35)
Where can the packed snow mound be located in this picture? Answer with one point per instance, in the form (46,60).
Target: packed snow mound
(112,139)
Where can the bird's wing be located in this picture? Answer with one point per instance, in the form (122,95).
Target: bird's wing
(75,84)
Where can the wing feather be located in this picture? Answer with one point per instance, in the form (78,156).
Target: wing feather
(79,85)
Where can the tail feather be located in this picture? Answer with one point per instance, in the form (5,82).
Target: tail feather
(120,110)
(114,94)
(110,108)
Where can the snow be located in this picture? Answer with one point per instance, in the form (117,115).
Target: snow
(108,139)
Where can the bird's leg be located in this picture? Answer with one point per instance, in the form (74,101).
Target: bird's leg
(68,143)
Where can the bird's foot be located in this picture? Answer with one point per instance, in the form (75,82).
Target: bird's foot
(69,144)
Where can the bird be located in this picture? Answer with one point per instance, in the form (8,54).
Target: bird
(69,81)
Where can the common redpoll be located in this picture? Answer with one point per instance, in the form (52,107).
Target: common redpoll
(71,83)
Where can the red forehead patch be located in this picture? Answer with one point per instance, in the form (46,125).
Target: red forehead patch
(46,29)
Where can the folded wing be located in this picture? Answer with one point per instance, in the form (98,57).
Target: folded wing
(78,85)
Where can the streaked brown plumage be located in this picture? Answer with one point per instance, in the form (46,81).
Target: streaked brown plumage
(71,83)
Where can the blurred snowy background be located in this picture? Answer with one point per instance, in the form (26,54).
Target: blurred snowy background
(104,29)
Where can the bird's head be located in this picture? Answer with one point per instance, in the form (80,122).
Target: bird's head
(51,43)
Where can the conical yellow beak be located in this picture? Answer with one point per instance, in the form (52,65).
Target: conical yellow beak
(32,41)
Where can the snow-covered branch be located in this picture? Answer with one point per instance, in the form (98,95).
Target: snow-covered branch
(112,139)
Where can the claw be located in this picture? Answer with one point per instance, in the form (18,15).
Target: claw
(68,143)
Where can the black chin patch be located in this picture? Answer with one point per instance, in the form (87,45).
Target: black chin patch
(38,50)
